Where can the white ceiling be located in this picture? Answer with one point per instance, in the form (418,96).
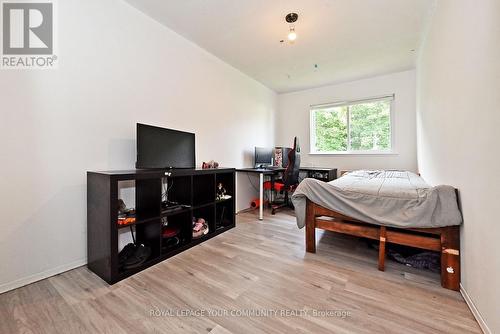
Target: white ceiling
(347,39)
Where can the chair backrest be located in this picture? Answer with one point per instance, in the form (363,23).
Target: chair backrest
(286,151)
(291,174)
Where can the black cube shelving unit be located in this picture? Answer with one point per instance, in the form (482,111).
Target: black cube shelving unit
(195,188)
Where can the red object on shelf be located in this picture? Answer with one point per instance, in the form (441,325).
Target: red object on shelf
(169,232)
(126,221)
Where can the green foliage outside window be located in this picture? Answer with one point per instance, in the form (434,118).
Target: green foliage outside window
(331,129)
(357,127)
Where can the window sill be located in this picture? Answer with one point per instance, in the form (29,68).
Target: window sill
(354,153)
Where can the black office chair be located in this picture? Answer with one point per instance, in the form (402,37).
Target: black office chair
(290,177)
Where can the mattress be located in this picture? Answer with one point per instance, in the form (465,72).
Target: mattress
(383,197)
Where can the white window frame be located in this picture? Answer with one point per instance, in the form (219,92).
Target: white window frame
(312,127)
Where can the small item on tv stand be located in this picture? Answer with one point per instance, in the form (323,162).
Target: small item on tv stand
(164,221)
(126,221)
(125,216)
(200,227)
(125,253)
(210,165)
(133,255)
(221,194)
(168,206)
(121,206)
(171,242)
(170,232)
(140,255)
(170,237)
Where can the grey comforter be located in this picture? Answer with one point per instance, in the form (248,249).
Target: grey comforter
(389,198)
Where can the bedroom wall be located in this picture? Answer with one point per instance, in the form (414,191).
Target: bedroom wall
(117,67)
(458,135)
(292,119)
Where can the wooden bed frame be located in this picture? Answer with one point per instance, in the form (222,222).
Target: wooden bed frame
(445,240)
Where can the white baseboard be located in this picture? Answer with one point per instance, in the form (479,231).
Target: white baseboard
(40,276)
(475,311)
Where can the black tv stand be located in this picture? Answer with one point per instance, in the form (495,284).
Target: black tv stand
(193,189)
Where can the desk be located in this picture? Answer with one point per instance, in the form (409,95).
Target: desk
(261,172)
(320,173)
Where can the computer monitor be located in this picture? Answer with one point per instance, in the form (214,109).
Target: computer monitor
(263,157)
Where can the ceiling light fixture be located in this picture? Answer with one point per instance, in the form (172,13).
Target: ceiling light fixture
(292,35)
(292,18)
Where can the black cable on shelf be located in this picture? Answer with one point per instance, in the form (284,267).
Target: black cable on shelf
(132,232)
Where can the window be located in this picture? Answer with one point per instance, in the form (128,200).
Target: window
(352,127)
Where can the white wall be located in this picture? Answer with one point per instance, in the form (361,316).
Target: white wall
(293,120)
(117,67)
(459,134)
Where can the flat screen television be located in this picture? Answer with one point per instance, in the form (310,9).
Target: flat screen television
(164,148)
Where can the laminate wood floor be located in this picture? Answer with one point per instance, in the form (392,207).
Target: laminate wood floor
(257,269)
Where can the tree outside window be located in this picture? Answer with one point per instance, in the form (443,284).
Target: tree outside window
(352,127)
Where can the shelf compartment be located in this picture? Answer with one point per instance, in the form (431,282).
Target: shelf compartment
(227,181)
(206,212)
(203,189)
(149,235)
(147,198)
(224,215)
(126,191)
(181,222)
(177,189)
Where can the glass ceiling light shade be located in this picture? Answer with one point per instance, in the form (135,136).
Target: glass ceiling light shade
(292,35)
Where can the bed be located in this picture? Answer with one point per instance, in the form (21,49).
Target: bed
(388,206)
